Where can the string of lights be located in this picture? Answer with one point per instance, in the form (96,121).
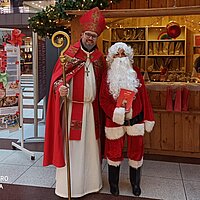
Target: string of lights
(54,17)
(191,22)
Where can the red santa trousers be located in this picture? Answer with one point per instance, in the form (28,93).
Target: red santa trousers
(114,148)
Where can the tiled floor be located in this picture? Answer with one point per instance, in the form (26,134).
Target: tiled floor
(160,180)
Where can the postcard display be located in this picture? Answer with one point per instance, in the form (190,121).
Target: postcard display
(11,106)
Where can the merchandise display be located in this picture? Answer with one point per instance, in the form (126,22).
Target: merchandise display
(162,56)
(168,57)
(26,56)
(10,79)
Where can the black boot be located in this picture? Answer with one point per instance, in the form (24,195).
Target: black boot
(135,180)
(113,178)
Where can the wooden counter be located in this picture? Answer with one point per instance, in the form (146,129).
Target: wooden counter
(175,133)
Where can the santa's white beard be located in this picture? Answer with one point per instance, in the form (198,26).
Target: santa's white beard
(122,75)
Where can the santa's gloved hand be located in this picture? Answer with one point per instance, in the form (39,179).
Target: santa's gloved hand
(129,114)
(149,125)
(119,115)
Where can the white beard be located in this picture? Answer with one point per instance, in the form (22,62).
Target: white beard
(122,75)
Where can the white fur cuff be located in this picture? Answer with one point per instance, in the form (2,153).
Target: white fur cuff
(136,130)
(114,163)
(119,115)
(149,125)
(135,164)
(114,133)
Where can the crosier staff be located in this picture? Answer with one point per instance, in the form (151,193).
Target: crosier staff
(58,41)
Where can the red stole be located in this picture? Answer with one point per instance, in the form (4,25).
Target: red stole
(77,105)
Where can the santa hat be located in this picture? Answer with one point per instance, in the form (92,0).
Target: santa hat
(93,20)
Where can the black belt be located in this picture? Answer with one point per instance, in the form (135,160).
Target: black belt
(134,120)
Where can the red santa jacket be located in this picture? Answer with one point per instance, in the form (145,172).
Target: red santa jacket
(140,104)
(53,145)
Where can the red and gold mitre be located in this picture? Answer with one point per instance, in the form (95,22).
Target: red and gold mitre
(93,20)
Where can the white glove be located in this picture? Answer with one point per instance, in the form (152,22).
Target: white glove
(129,115)
(149,125)
(119,115)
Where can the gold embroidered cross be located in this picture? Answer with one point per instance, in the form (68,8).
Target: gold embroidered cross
(76,125)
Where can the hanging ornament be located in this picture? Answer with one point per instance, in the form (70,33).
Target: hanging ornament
(16,38)
(173,29)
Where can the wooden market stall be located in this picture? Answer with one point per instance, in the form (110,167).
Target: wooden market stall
(177,131)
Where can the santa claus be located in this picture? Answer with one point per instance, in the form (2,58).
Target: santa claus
(121,74)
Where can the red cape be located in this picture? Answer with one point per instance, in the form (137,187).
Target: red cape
(53,145)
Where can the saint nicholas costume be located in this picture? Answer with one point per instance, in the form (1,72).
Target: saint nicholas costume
(83,74)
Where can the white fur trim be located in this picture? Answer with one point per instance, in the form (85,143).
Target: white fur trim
(135,130)
(114,132)
(113,50)
(135,164)
(149,125)
(114,163)
(119,115)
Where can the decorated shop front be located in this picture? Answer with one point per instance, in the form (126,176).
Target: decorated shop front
(166,49)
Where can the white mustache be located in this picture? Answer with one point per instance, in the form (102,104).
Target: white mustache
(122,75)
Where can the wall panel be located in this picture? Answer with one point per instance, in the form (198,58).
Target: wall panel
(167,131)
(158,4)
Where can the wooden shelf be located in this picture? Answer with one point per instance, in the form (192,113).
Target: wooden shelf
(127,41)
(148,46)
(167,40)
(169,72)
(166,55)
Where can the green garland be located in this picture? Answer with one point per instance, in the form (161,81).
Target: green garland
(46,22)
